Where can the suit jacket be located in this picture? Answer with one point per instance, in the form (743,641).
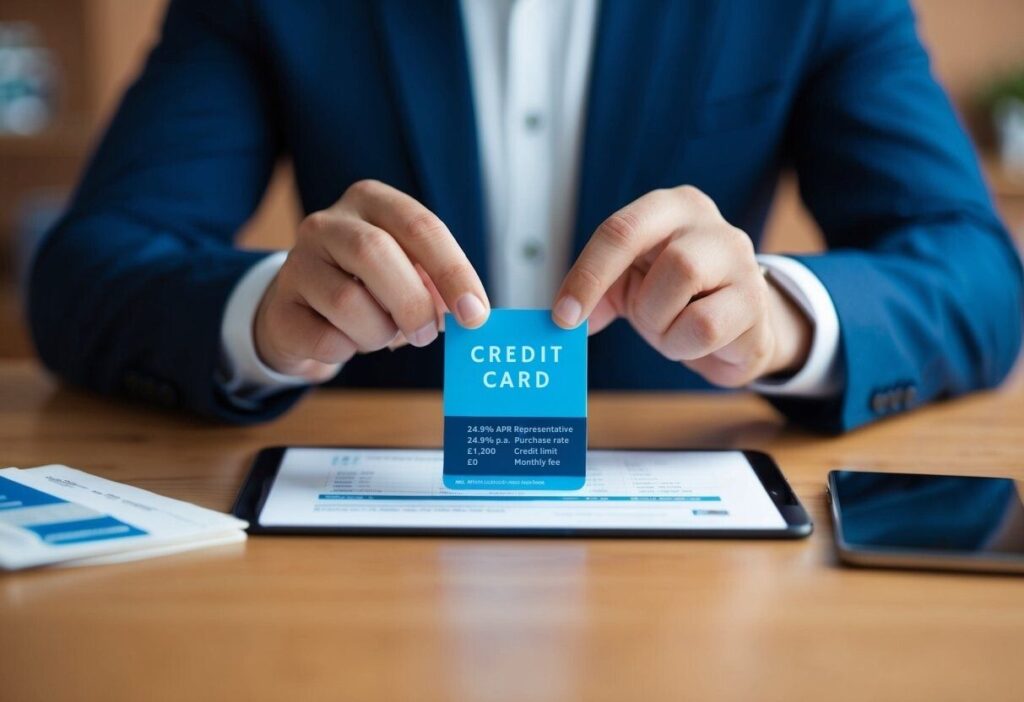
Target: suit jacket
(128,291)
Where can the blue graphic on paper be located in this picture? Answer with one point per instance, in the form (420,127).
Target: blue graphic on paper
(82,530)
(515,403)
(17,496)
(49,518)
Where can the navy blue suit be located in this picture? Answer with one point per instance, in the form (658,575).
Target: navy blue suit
(128,291)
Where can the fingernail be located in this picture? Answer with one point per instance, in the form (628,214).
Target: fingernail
(469,308)
(424,335)
(568,311)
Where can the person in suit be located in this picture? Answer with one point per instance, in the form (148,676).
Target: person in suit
(611,160)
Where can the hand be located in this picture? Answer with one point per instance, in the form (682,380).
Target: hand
(690,285)
(375,266)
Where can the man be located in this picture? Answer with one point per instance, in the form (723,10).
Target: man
(463,154)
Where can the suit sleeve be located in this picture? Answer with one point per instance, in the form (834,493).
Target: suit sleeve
(926,282)
(128,290)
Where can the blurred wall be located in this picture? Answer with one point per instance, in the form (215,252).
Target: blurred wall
(970,41)
(98,45)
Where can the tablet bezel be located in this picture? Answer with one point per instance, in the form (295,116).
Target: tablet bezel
(253,494)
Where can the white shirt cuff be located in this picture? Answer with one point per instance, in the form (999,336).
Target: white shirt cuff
(821,375)
(245,378)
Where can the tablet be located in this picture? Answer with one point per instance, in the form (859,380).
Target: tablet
(310,490)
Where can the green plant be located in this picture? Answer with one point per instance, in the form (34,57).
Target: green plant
(1010,85)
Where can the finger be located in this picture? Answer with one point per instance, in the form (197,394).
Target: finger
(692,263)
(427,241)
(627,235)
(439,305)
(710,323)
(739,362)
(314,345)
(346,304)
(603,315)
(612,304)
(372,255)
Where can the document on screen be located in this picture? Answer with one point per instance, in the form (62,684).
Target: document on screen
(401,488)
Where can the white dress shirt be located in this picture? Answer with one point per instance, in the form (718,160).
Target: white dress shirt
(530,66)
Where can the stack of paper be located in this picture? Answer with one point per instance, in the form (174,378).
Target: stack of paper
(56,514)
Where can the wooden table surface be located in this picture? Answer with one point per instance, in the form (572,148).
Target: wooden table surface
(291,618)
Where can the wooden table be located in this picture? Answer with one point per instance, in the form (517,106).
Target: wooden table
(291,618)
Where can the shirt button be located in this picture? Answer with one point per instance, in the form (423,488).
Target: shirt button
(533,250)
(533,121)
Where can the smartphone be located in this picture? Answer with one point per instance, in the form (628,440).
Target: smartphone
(946,522)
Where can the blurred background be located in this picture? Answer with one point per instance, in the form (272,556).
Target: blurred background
(64,63)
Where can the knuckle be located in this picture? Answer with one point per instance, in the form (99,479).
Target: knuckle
(344,295)
(696,197)
(683,262)
(453,275)
(743,243)
(315,225)
(586,281)
(643,317)
(705,328)
(365,188)
(368,244)
(760,353)
(621,230)
(424,228)
(664,197)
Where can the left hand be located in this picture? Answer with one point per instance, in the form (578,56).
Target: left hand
(689,283)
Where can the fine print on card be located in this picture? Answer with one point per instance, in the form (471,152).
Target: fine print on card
(515,403)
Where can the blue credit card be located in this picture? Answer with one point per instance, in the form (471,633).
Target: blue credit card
(515,403)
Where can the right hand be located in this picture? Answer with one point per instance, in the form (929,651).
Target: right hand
(373,267)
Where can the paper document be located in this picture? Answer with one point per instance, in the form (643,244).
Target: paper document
(624,490)
(56,514)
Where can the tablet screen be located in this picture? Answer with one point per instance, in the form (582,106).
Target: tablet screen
(624,490)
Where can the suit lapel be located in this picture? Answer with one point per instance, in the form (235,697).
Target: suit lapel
(425,50)
(651,60)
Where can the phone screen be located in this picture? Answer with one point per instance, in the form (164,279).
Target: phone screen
(943,514)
